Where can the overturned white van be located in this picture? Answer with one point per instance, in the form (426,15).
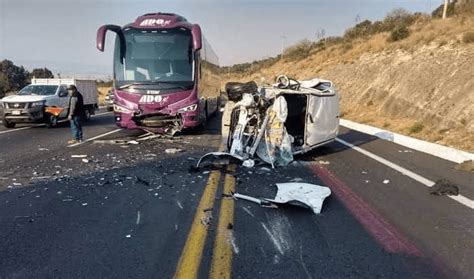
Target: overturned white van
(273,123)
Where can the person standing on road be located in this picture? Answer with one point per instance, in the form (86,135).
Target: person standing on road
(76,113)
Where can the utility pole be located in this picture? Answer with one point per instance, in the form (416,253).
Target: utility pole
(445,9)
(283,39)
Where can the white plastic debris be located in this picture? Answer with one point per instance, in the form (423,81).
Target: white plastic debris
(386,181)
(78,156)
(310,195)
(128,236)
(173,150)
(300,194)
(85,161)
(262,202)
(134,142)
(248,163)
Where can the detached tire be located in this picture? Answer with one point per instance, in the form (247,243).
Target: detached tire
(8,124)
(235,90)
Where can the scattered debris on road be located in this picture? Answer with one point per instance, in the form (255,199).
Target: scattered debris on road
(78,156)
(444,187)
(301,194)
(310,195)
(207,218)
(262,202)
(173,150)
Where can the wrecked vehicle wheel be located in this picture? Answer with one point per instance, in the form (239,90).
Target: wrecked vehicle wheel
(235,90)
(8,124)
(51,121)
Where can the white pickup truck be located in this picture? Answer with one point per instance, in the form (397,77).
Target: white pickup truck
(46,101)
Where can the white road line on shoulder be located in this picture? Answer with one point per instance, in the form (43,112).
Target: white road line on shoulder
(94,138)
(41,125)
(19,129)
(459,198)
(102,113)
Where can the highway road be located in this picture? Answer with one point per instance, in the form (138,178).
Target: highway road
(142,211)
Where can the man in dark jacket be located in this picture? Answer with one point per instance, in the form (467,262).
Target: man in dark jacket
(76,113)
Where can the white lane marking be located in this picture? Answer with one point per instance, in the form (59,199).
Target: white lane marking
(459,198)
(19,129)
(94,138)
(41,125)
(441,151)
(102,113)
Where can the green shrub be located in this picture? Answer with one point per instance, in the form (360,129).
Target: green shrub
(468,37)
(416,128)
(396,18)
(298,51)
(399,33)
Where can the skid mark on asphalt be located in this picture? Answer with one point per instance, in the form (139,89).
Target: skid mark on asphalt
(248,211)
(279,232)
(303,264)
(459,198)
(274,239)
(138,218)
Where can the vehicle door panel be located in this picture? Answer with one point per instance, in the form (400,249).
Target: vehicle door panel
(322,119)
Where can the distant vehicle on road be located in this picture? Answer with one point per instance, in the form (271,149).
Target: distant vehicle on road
(109,101)
(46,101)
(166,75)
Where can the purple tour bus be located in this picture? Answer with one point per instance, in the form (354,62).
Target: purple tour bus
(166,75)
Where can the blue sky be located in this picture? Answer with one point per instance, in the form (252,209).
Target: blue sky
(60,34)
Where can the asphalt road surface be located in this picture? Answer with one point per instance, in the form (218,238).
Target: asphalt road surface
(142,211)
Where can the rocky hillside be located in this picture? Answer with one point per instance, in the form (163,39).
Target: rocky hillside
(422,85)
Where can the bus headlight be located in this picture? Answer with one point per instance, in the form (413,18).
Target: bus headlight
(188,108)
(121,109)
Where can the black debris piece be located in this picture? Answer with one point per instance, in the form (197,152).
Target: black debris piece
(444,187)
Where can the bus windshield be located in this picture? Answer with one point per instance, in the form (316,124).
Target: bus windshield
(161,57)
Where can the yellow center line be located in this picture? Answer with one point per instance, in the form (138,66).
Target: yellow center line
(221,265)
(191,255)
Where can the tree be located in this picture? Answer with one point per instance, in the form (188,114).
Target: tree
(12,77)
(41,73)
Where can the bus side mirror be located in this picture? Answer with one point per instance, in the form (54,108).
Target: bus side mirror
(102,31)
(197,37)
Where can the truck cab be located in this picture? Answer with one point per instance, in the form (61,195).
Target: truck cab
(46,101)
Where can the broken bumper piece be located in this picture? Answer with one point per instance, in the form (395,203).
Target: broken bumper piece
(300,194)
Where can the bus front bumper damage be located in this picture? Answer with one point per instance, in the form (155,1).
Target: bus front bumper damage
(160,122)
